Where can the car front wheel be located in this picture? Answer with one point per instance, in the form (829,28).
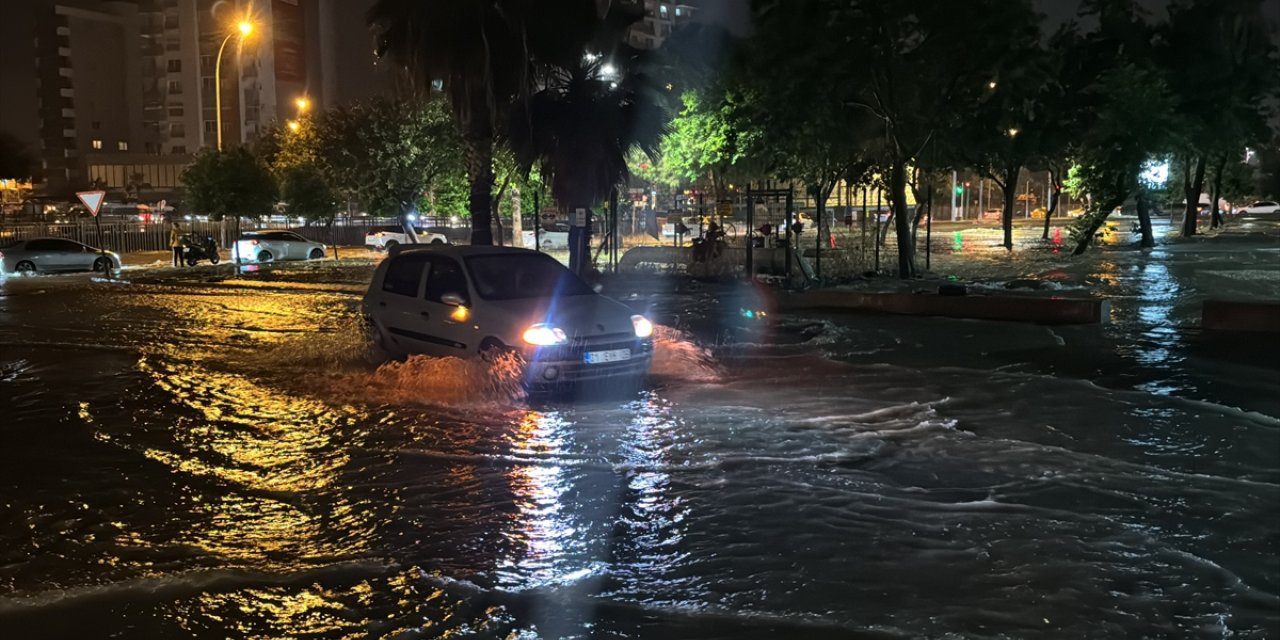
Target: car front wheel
(26,266)
(265,256)
(101,265)
(316,254)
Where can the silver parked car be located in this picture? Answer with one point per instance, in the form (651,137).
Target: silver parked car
(269,245)
(473,302)
(51,255)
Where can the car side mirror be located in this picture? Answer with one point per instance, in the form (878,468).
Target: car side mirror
(452,299)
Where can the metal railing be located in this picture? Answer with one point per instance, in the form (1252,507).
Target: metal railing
(129,237)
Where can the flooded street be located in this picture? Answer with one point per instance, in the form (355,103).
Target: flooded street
(217,459)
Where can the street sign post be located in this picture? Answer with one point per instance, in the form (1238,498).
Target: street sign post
(92,200)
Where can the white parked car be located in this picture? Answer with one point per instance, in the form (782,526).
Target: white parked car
(1265,206)
(49,255)
(475,302)
(384,238)
(270,245)
(546,240)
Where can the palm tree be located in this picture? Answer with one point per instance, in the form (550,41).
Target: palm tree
(586,116)
(475,52)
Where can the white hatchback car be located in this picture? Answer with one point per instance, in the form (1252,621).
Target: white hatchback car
(472,302)
(270,245)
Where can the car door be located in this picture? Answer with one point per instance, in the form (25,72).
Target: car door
(448,326)
(399,306)
(299,247)
(65,255)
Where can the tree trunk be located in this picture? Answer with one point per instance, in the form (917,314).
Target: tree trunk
(479,152)
(902,222)
(1192,187)
(410,229)
(1144,217)
(1100,208)
(1215,193)
(1055,194)
(496,211)
(1010,191)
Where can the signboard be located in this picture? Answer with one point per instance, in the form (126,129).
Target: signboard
(92,200)
(579,217)
(724,208)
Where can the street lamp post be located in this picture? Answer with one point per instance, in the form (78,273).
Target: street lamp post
(244,29)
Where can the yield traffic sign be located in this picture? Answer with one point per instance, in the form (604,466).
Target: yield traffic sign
(92,200)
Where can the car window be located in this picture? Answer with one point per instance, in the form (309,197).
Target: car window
(67,245)
(514,276)
(446,277)
(39,245)
(294,237)
(1265,204)
(405,274)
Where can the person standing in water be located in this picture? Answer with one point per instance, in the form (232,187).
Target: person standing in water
(175,242)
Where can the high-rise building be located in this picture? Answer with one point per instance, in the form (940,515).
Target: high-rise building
(123,92)
(660,17)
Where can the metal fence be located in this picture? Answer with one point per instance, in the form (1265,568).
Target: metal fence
(128,237)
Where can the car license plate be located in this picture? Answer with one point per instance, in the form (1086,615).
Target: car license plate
(613,355)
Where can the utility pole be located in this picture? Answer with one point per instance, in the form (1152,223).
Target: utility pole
(953,195)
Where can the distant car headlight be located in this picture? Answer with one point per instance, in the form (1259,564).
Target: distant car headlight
(544,335)
(643,327)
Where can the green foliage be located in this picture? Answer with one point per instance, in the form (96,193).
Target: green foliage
(231,182)
(392,155)
(705,142)
(308,193)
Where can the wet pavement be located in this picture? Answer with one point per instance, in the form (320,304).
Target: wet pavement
(200,456)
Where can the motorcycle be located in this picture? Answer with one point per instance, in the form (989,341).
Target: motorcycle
(196,249)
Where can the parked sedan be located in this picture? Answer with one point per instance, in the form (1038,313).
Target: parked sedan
(277,244)
(1261,207)
(473,302)
(51,255)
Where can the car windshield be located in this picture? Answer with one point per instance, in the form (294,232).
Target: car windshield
(516,276)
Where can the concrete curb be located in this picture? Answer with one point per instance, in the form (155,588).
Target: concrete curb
(1227,315)
(980,307)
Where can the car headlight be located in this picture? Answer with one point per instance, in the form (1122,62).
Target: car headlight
(544,335)
(643,327)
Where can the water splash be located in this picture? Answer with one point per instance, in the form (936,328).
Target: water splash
(676,357)
(423,380)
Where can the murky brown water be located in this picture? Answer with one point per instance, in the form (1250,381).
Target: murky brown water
(217,459)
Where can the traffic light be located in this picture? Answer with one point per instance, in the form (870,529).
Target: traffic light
(959,189)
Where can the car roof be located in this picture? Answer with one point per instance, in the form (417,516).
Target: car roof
(461,251)
(51,238)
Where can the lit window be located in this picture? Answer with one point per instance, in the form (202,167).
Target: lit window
(97,144)
(679,12)
(662,10)
(122,146)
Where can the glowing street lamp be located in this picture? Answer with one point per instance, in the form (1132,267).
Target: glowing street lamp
(1013,133)
(303,104)
(243,30)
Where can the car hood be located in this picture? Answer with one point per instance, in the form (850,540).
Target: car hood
(577,316)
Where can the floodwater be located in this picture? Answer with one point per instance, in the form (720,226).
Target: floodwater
(216,459)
